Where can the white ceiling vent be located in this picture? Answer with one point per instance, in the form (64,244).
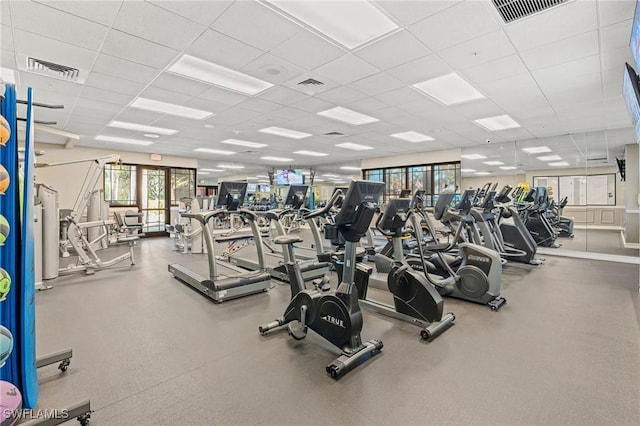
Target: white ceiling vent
(512,10)
(51,69)
(310,81)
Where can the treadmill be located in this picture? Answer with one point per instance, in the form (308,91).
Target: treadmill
(224,281)
(274,261)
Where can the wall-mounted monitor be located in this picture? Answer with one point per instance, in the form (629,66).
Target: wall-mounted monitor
(264,188)
(252,187)
(631,94)
(289,177)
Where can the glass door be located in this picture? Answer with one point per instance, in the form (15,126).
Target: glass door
(153,204)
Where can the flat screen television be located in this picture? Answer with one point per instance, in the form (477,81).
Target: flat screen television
(631,94)
(264,188)
(252,187)
(289,177)
(634,43)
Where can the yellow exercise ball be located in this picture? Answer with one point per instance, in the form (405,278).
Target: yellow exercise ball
(5,180)
(5,131)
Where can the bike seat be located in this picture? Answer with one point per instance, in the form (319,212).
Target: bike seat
(287,239)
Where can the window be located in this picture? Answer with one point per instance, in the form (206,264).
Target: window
(120,184)
(431,177)
(183,184)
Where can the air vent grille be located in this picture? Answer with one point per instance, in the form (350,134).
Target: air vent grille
(511,10)
(61,71)
(335,134)
(310,81)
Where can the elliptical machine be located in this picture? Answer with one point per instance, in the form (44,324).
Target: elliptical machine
(334,315)
(415,299)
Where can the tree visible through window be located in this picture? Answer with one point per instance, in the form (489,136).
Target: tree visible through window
(120,184)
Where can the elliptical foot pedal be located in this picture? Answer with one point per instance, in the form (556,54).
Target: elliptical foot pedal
(297,330)
(321,284)
(497,303)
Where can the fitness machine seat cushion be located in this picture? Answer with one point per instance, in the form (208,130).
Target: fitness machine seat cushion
(287,239)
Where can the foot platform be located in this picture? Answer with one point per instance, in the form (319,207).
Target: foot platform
(345,362)
(497,303)
(438,327)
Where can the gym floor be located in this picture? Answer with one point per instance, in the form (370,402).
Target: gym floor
(149,350)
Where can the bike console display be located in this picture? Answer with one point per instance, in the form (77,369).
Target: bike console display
(358,208)
(295,196)
(231,195)
(395,216)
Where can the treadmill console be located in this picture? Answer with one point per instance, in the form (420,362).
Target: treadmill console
(231,195)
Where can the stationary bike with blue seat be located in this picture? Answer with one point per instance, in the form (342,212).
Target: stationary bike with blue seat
(334,315)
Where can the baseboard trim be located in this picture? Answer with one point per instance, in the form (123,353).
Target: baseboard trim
(588,255)
(625,244)
(599,227)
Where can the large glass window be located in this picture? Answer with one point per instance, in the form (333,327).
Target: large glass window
(120,184)
(183,184)
(396,182)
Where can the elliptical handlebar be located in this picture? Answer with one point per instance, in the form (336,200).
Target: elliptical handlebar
(204,217)
(326,209)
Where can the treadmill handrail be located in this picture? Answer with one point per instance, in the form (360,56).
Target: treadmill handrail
(204,217)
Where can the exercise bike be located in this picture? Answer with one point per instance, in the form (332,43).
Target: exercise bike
(334,315)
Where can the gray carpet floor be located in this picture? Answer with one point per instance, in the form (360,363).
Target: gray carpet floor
(149,350)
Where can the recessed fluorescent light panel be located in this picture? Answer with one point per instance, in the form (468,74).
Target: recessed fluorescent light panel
(537,149)
(350,168)
(287,133)
(559,163)
(142,128)
(212,170)
(467,170)
(347,116)
(449,89)
(493,163)
(508,167)
(230,166)
(262,176)
(202,173)
(311,153)
(8,75)
(122,140)
(351,24)
(473,156)
(278,159)
(172,109)
(550,158)
(329,175)
(226,78)
(353,146)
(412,137)
(214,151)
(151,136)
(482,173)
(499,122)
(244,143)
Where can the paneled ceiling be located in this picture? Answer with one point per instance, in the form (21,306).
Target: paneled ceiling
(555,73)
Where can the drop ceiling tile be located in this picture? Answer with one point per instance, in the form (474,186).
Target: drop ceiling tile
(421,69)
(233,116)
(272,69)
(566,73)
(613,60)
(562,51)
(341,95)
(494,70)
(118,85)
(182,85)
(377,83)
(367,105)
(106,96)
(307,50)
(288,113)
(163,95)
(57,25)
(259,105)
(555,24)
(121,68)
(202,12)
(228,52)
(408,12)
(51,98)
(138,50)
(207,105)
(480,50)
(256,25)
(103,12)
(96,115)
(222,96)
(401,96)
(313,105)
(346,69)
(5,13)
(92,104)
(611,12)
(47,49)
(583,88)
(153,23)
(282,95)
(615,35)
(8,60)
(65,88)
(6,36)
(455,25)
(394,50)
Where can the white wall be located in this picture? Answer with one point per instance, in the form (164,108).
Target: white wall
(416,158)
(68,179)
